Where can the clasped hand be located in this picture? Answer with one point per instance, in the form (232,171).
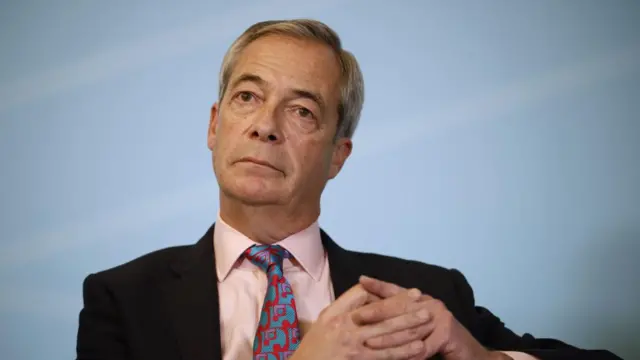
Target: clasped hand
(380,320)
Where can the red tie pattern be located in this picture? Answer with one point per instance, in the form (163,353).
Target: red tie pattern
(278,334)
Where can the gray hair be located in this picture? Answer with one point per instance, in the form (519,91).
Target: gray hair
(351,84)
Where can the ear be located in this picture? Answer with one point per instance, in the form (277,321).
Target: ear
(341,151)
(213,126)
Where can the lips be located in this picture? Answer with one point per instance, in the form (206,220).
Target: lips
(258,162)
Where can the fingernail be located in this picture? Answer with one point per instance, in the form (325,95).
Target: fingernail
(414,293)
(364,277)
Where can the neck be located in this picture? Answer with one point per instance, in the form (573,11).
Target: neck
(266,224)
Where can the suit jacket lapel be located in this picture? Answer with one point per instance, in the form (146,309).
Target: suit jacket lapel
(345,267)
(192,302)
(192,295)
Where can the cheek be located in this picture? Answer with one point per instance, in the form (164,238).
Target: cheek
(315,162)
(221,147)
(227,130)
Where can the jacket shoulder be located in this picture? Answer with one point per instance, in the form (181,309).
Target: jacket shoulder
(143,268)
(389,263)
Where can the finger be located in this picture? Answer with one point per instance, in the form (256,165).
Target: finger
(404,302)
(373,298)
(420,356)
(395,324)
(402,352)
(434,343)
(380,288)
(401,337)
(352,299)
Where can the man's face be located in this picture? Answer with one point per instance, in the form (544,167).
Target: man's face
(272,134)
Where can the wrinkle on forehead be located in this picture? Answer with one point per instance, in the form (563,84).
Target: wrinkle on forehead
(288,62)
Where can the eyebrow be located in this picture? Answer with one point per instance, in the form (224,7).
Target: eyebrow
(248,78)
(311,96)
(307,94)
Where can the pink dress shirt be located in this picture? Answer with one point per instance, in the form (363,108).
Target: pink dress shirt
(242,286)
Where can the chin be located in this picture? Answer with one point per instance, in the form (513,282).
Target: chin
(254,191)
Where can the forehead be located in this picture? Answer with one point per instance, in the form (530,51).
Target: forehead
(286,61)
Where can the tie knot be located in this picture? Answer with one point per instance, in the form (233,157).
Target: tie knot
(266,256)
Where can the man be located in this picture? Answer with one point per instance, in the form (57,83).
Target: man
(265,282)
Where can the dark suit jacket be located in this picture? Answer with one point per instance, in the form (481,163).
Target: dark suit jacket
(164,305)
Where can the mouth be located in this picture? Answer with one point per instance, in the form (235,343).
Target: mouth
(258,162)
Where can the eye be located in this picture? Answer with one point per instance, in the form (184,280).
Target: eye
(304,112)
(245,96)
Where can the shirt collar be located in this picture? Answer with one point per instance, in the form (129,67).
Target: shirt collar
(305,246)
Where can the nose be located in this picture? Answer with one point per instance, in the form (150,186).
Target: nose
(266,128)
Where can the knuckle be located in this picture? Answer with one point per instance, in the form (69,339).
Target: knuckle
(426,329)
(341,320)
(348,338)
(345,338)
(407,350)
(406,304)
(379,311)
(337,324)
(398,338)
(387,354)
(395,323)
(354,353)
(438,304)
(438,307)
(417,317)
(413,332)
(401,304)
(367,314)
(383,341)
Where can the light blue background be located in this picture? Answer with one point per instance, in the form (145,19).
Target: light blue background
(498,137)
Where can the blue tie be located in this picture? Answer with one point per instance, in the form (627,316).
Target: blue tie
(278,333)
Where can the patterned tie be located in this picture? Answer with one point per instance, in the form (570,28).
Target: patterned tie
(278,334)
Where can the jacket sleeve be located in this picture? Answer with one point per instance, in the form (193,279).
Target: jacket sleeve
(100,330)
(492,333)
